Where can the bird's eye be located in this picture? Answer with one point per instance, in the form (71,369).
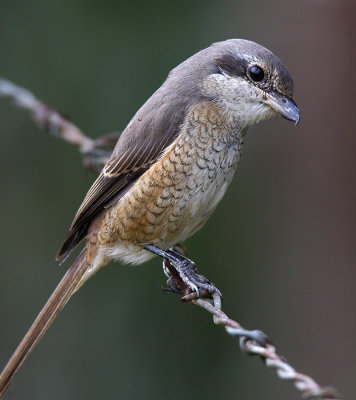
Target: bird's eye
(256,73)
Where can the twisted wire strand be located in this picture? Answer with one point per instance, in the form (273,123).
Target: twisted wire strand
(309,389)
(95,153)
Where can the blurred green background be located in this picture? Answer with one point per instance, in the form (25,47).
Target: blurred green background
(281,247)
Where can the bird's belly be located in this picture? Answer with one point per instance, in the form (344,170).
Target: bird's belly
(170,201)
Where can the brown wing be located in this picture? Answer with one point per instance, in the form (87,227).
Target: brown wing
(154,127)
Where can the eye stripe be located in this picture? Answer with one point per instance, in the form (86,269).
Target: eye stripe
(231,64)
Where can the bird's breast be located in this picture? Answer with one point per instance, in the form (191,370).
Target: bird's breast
(176,196)
(212,162)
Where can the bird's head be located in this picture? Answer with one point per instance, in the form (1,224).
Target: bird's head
(251,81)
(245,78)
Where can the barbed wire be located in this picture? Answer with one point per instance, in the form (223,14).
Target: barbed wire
(256,343)
(95,154)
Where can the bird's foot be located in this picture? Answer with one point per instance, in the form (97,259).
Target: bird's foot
(188,273)
(183,275)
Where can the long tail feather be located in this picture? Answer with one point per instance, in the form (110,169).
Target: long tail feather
(63,292)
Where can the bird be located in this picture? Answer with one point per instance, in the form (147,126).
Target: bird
(170,168)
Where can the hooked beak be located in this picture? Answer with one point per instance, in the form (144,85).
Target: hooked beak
(285,106)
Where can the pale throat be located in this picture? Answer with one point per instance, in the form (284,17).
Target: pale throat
(241,103)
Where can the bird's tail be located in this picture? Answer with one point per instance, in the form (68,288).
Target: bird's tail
(63,292)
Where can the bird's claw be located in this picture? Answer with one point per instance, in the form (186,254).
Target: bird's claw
(183,277)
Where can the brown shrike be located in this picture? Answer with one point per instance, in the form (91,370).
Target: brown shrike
(169,170)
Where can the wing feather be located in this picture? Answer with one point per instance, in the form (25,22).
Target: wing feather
(153,128)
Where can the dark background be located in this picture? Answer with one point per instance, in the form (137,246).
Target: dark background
(281,246)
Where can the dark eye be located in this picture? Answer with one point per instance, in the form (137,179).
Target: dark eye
(256,73)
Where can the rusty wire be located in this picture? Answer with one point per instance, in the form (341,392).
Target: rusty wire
(95,153)
(304,383)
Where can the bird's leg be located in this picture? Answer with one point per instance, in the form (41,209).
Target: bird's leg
(174,281)
(183,275)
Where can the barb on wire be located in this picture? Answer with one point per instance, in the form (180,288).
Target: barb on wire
(95,153)
(256,343)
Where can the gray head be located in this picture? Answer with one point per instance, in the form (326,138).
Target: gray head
(243,77)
